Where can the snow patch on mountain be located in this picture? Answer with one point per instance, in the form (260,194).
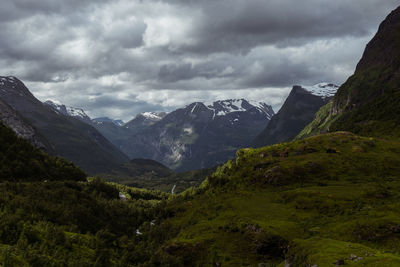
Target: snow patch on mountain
(76,112)
(8,79)
(153,115)
(107,120)
(225,107)
(323,90)
(67,111)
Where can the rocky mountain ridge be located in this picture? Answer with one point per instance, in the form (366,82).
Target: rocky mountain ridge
(366,103)
(200,135)
(62,135)
(298,110)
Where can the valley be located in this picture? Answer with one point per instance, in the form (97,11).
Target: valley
(221,183)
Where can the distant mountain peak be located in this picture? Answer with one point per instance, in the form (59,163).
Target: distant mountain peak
(145,119)
(228,106)
(324,90)
(7,79)
(156,116)
(102,120)
(68,111)
(14,88)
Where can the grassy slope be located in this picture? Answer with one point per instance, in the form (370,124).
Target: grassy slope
(297,200)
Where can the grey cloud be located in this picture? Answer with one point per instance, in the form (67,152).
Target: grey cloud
(84,51)
(239,26)
(117,108)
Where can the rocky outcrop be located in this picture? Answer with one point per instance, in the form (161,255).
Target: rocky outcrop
(13,120)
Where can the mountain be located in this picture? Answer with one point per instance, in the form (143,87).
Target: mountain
(10,118)
(200,135)
(144,120)
(119,132)
(298,110)
(77,113)
(65,136)
(102,120)
(367,103)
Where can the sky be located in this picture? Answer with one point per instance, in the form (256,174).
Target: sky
(117,58)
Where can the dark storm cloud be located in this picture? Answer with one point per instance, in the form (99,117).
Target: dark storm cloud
(239,26)
(84,51)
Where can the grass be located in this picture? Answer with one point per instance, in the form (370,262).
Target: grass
(314,201)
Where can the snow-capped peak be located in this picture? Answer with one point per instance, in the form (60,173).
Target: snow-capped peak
(102,120)
(67,111)
(152,115)
(8,79)
(323,90)
(224,107)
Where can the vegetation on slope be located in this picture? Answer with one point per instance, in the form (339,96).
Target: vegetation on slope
(326,199)
(150,174)
(20,161)
(74,224)
(50,216)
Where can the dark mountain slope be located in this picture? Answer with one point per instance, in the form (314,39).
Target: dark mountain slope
(20,161)
(67,137)
(367,103)
(298,110)
(144,120)
(19,125)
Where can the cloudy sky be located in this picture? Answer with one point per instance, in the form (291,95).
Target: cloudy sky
(120,57)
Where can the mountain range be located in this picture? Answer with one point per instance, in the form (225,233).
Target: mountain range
(200,135)
(61,135)
(329,198)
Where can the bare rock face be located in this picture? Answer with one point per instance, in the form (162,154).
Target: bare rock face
(13,120)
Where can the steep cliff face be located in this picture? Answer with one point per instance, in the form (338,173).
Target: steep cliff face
(367,103)
(298,110)
(22,128)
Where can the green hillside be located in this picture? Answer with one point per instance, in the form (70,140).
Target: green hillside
(313,202)
(73,224)
(20,161)
(150,174)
